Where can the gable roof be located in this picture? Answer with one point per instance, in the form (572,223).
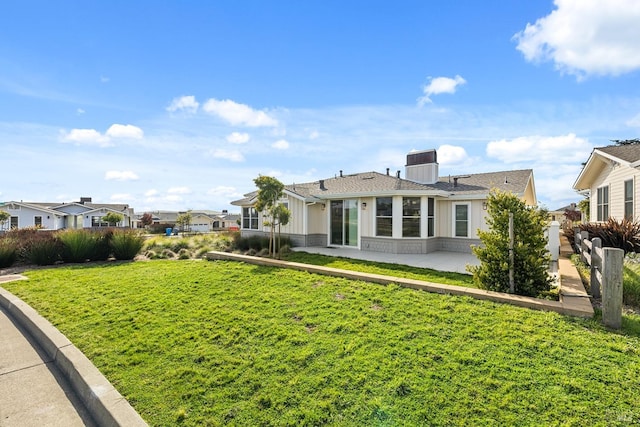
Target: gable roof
(627,155)
(378,184)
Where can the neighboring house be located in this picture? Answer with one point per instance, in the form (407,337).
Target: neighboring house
(55,216)
(609,179)
(560,215)
(202,221)
(378,212)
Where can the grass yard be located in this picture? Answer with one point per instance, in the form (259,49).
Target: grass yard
(224,343)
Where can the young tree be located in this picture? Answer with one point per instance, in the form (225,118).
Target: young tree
(184,221)
(112,218)
(584,207)
(4,216)
(281,216)
(269,191)
(531,258)
(146,219)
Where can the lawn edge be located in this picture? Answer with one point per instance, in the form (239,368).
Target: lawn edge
(105,404)
(575,303)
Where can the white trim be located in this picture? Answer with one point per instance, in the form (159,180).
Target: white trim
(453,222)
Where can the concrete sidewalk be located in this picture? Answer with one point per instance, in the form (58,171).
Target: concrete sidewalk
(45,380)
(33,391)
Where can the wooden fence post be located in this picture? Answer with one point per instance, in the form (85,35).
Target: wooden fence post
(612,287)
(583,248)
(596,266)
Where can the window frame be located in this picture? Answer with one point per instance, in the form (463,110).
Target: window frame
(431,216)
(456,220)
(629,199)
(387,217)
(250,219)
(37,223)
(602,205)
(411,215)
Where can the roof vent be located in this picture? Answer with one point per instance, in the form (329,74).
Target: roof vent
(322,187)
(397,174)
(340,173)
(387,171)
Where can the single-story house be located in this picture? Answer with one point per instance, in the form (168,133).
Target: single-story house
(55,216)
(202,221)
(560,215)
(609,178)
(380,212)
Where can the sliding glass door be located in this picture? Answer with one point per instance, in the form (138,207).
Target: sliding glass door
(344,222)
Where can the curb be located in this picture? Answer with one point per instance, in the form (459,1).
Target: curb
(579,307)
(105,404)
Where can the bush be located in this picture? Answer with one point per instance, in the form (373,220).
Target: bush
(44,251)
(77,245)
(531,259)
(258,243)
(624,234)
(126,244)
(102,247)
(8,252)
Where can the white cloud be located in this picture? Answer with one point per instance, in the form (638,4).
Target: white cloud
(104,79)
(151,193)
(280,144)
(238,138)
(634,122)
(224,191)
(122,198)
(584,37)
(120,176)
(80,111)
(233,155)
(438,85)
(179,190)
(451,155)
(184,103)
(314,135)
(542,149)
(238,114)
(85,137)
(125,131)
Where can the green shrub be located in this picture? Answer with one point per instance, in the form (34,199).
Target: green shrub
(623,234)
(177,246)
(258,243)
(77,245)
(44,251)
(8,252)
(531,259)
(102,247)
(184,254)
(126,244)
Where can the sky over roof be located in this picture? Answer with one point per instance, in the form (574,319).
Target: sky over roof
(180,105)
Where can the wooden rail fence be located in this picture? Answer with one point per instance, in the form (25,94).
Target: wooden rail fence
(606,275)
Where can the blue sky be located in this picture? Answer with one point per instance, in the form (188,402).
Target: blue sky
(179,105)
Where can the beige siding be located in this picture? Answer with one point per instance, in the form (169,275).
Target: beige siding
(367,216)
(614,177)
(444,217)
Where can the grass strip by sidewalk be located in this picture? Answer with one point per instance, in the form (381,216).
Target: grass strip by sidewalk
(224,343)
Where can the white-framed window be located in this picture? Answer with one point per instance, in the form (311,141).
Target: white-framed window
(249,218)
(384,216)
(461,220)
(14,222)
(628,199)
(411,217)
(431,217)
(602,201)
(37,221)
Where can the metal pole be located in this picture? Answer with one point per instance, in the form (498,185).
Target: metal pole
(512,286)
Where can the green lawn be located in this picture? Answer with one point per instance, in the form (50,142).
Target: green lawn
(225,343)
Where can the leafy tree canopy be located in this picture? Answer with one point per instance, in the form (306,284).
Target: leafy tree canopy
(112,218)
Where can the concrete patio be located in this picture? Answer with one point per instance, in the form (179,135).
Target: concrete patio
(441,261)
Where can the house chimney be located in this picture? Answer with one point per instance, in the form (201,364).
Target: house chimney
(322,187)
(455,181)
(84,200)
(422,167)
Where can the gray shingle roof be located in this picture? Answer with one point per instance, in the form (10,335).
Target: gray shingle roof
(628,153)
(371,183)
